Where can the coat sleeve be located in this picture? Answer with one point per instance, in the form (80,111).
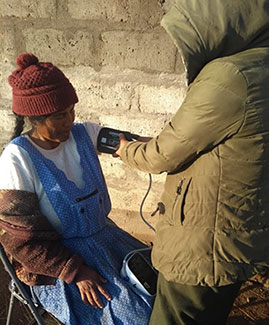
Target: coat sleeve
(212,112)
(29,238)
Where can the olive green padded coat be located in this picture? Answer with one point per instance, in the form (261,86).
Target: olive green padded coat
(213,228)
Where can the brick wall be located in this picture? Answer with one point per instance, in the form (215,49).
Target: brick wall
(125,68)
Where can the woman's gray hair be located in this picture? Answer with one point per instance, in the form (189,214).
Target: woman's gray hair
(20,123)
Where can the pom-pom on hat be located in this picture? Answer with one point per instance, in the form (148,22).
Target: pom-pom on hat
(39,88)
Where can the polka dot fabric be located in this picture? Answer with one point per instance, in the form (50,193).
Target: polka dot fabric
(83,214)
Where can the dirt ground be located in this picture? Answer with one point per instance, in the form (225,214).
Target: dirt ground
(251,306)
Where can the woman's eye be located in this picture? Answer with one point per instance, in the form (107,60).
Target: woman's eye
(59,117)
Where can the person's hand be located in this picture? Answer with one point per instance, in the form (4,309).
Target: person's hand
(89,283)
(123,142)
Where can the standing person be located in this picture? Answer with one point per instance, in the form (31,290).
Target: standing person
(54,207)
(213,226)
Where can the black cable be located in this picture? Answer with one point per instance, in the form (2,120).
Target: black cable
(142,203)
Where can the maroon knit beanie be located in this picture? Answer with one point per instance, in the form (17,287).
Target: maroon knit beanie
(39,88)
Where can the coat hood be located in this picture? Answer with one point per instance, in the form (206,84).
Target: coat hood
(204,30)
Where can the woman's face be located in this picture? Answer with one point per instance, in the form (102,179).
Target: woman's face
(53,129)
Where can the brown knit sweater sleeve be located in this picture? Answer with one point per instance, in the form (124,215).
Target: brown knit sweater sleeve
(30,241)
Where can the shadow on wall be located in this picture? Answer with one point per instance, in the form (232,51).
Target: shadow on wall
(166,4)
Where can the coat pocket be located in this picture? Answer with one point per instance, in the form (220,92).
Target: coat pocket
(178,215)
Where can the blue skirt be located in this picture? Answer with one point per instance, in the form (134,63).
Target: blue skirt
(104,251)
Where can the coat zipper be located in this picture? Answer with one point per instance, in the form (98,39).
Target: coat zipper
(178,191)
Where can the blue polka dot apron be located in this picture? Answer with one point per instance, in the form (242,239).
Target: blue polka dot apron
(86,231)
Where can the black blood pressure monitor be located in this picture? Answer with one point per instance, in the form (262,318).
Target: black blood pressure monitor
(109,139)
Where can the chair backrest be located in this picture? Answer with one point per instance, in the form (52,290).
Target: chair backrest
(19,290)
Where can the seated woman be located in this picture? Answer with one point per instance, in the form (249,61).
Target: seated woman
(54,206)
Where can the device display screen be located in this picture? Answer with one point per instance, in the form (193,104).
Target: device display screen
(108,139)
(143,272)
(113,141)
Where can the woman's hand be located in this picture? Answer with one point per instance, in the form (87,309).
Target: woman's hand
(89,283)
